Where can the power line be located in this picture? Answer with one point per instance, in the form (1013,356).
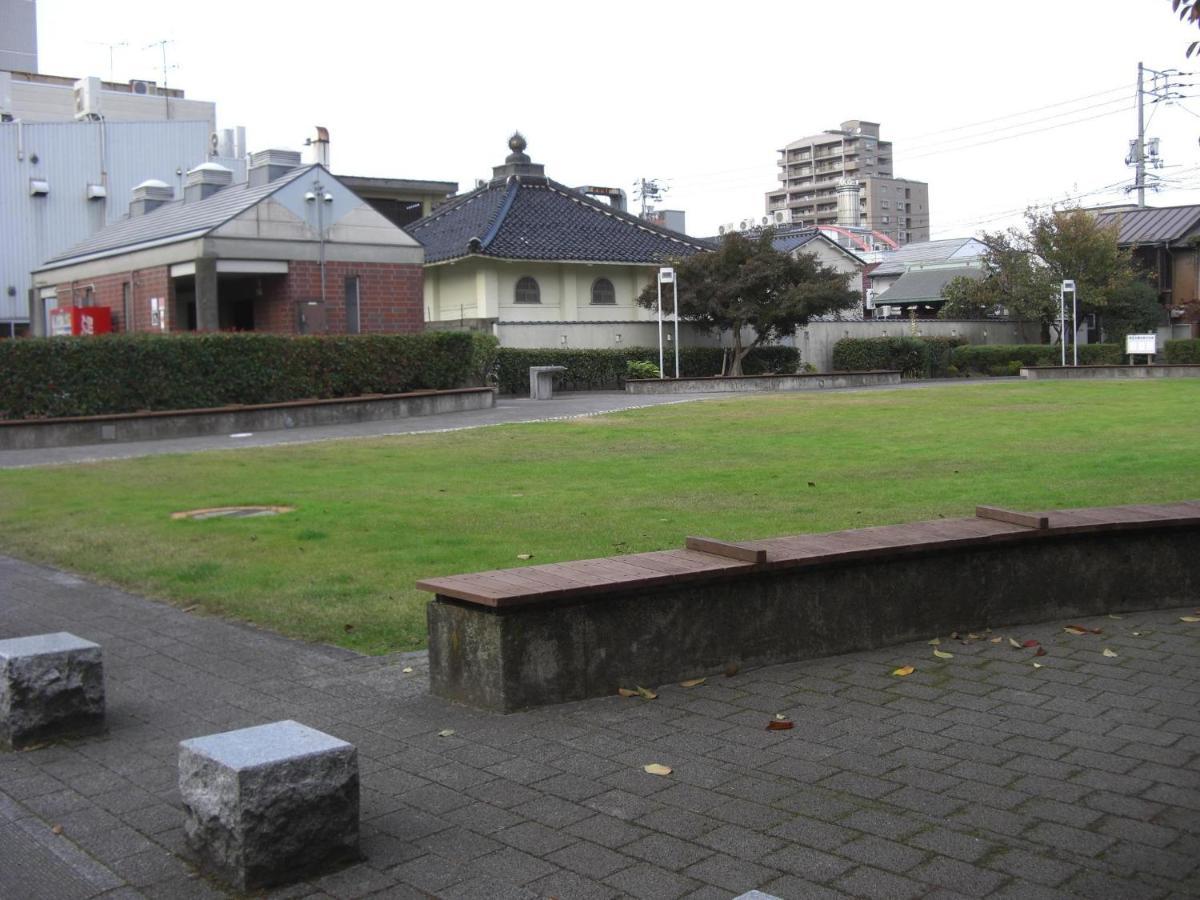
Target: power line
(1022,134)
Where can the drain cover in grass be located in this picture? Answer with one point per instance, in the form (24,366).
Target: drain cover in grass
(232,512)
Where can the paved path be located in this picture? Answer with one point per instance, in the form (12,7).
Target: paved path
(508,410)
(976,776)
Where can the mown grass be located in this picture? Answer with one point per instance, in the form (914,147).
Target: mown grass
(374,516)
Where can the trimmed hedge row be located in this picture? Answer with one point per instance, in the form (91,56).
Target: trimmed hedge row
(601,369)
(1007,359)
(914,357)
(1183,352)
(117,373)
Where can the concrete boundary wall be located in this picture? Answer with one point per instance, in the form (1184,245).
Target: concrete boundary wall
(815,340)
(37,434)
(529,637)
(1060,373)
(760,383)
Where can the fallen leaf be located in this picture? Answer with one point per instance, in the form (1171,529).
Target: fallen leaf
(407,670)
(1111,616)
(1014,643)
(973,637)
(1031,643)
(646,693)
(1136,633)
(780,725)
(695,682)
(191,608)
(732,669)
(446,732)
(997,639)
(57,829)
(1037,665)
(1074,629)
(903,671)
(524,556)
(1041,651)
(1109,653)
(935,642)
(942,654)
(626,692)
(780,717)
(657,769)
(1189,618)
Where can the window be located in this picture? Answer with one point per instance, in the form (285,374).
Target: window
(603,292)
(885,220)
(527,291)
(353,318)
(883,204)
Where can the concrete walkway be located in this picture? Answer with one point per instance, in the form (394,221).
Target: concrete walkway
(508,411)
(975,776)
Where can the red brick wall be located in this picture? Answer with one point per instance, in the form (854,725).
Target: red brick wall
(391,297)
(108,290)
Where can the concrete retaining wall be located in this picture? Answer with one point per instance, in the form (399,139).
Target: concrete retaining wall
(758,383)
(815,341)
(1042,373)
(152,426)
(511,650)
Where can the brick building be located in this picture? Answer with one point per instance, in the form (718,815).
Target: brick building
(289,250)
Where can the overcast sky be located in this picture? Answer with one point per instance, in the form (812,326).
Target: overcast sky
(700,95)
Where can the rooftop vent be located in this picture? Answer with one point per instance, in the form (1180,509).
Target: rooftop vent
(149,196)
(267,165)
(205,180)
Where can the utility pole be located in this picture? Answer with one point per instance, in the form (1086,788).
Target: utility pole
(1139,176)
(646,189)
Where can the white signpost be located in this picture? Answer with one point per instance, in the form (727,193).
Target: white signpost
(666,275)
(1068,285)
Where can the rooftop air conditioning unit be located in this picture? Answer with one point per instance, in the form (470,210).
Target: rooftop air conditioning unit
(144,88)
(782,217)
(87,98)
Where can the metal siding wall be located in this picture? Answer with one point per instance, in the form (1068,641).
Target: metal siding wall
(33,229)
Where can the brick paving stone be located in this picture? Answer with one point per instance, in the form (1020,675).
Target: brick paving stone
(868,882)
(991,779)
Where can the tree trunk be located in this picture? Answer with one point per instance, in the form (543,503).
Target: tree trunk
(740,352)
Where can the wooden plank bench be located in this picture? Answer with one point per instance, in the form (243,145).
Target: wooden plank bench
(517,638)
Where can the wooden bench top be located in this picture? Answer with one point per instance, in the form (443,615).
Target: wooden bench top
(505,588)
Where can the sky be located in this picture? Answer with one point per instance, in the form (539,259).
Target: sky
(998,106)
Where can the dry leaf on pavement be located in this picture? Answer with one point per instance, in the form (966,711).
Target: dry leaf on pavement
(1015,644)
(646,693)
(942,654)
(657,769)
(935,642)
(1109,653)
(694,682)
(903,671)
(407,670)
(1189,618)
(446,732)
(778,724)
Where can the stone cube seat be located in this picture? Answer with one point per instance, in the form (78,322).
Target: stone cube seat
(269,804)
(51,685)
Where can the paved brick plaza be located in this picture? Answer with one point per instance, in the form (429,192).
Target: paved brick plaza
(975,776)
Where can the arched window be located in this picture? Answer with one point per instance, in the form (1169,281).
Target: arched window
(603,292)
(527,291)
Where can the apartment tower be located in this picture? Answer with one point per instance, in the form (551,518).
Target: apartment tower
(811,168)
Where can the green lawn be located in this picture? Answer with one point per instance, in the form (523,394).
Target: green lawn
(374,516)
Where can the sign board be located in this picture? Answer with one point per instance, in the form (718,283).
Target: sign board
(666,276)
(158,314)
(1141,344)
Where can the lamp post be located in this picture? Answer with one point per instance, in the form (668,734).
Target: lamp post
(666,275)
(1068,285)
(318,192)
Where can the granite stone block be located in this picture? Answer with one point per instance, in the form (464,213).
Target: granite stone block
(51,685)
(270,804)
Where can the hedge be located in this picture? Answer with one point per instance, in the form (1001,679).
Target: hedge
(1007,359)
(1183,352)
(914,357)
(601,369)
(118,373)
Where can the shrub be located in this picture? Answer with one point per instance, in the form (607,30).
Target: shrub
(994,359)
(637,368)
(1183,352)
(589,370)
(118,373)
(914,357)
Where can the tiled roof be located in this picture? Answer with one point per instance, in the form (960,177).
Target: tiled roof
(537,218)
(1152,225)
(893,262)
(924,285)
(176,219)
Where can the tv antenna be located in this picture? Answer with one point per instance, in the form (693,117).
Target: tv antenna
(162,45)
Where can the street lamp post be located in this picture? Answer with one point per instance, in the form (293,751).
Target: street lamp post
(1068,285)
(666,275)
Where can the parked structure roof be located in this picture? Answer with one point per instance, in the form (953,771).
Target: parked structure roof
(522,214)
(895,262)
(175,220)
(1152,225)
(924,285)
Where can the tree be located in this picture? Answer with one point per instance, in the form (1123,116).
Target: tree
(1024,269)
(1132,309)
(1189,11)
(748,285)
